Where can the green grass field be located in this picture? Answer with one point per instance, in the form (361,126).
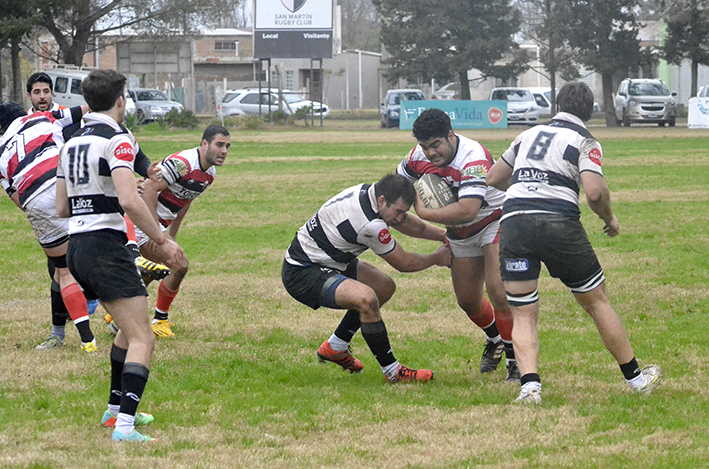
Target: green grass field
(240,386)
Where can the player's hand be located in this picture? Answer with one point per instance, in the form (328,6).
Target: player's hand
(612,227)
(444,256)
(420,207)
(171,251)
(155,172)
(139,185)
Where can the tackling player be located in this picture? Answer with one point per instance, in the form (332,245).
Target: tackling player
(472,228)
(95,185)
(321,267)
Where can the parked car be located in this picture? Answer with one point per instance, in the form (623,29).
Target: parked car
(248,101)
(389,109)
(645,100)
(522,108)
(151,104)
(447,91)
(66,83)
(542,96)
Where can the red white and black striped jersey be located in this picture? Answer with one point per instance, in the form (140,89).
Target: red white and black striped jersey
(547,162)
(86,162)
(29,150)
(465,175)
(342,229)
(186,181)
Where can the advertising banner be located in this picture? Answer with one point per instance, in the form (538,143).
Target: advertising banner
(698,113)
(463,114)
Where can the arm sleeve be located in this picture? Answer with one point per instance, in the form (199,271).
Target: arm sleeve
(142,163)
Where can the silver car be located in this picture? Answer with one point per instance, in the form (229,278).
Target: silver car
(151,104)
(250,101)
(522,108)
(644,100)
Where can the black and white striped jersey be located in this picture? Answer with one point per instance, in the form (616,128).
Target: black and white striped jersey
(547,162)
(85,163)
(342,229)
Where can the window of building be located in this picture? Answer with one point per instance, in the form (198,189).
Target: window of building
(290,80)
(227,46)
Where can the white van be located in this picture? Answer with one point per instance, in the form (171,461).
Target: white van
(66,80)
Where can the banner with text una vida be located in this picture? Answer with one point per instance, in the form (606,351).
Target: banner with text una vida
(463,114)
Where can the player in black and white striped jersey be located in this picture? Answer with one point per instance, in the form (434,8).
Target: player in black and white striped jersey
(95,185)
(542,172)
(321,267)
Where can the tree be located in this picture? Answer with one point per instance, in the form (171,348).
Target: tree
(442,39)
(75,24)
(360,25)
(544,24)
(17,18)
(605,35)
(687,35)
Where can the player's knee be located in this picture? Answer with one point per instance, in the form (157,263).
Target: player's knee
(368,305)
(385,290)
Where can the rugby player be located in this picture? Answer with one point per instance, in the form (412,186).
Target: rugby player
(95,186)
(472,228)
(321,267)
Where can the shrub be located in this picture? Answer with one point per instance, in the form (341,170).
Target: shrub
(182,118)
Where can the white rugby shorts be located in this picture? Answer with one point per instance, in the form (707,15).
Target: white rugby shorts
(141,238)
(473,246)
(41,212)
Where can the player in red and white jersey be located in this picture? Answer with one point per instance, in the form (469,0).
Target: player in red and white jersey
(185,176)
(30,146)
(28,163)
(472,224)
(40,92)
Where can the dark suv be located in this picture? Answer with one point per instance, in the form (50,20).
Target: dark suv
(390,108)
(644,100)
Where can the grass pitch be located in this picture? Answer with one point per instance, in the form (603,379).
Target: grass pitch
(240,386)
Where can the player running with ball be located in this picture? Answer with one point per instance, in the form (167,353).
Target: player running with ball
(472,228)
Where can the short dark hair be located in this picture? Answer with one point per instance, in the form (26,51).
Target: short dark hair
(102,88)
(576,98)
(39,77)
(393,187)
(212,131)
(8,113)
(432,123)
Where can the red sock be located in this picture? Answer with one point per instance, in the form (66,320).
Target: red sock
(504,325)
(75,302)
(485,316)
(130,229)
(165,297)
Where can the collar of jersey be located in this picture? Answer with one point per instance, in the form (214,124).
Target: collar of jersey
(98,118)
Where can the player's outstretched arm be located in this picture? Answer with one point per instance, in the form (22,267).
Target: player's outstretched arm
(417,228)
(413,262)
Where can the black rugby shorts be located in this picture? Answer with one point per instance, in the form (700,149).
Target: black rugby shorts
(559,242)
(103,266)
(315,285)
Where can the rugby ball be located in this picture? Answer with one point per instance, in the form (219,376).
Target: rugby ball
(434,191)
